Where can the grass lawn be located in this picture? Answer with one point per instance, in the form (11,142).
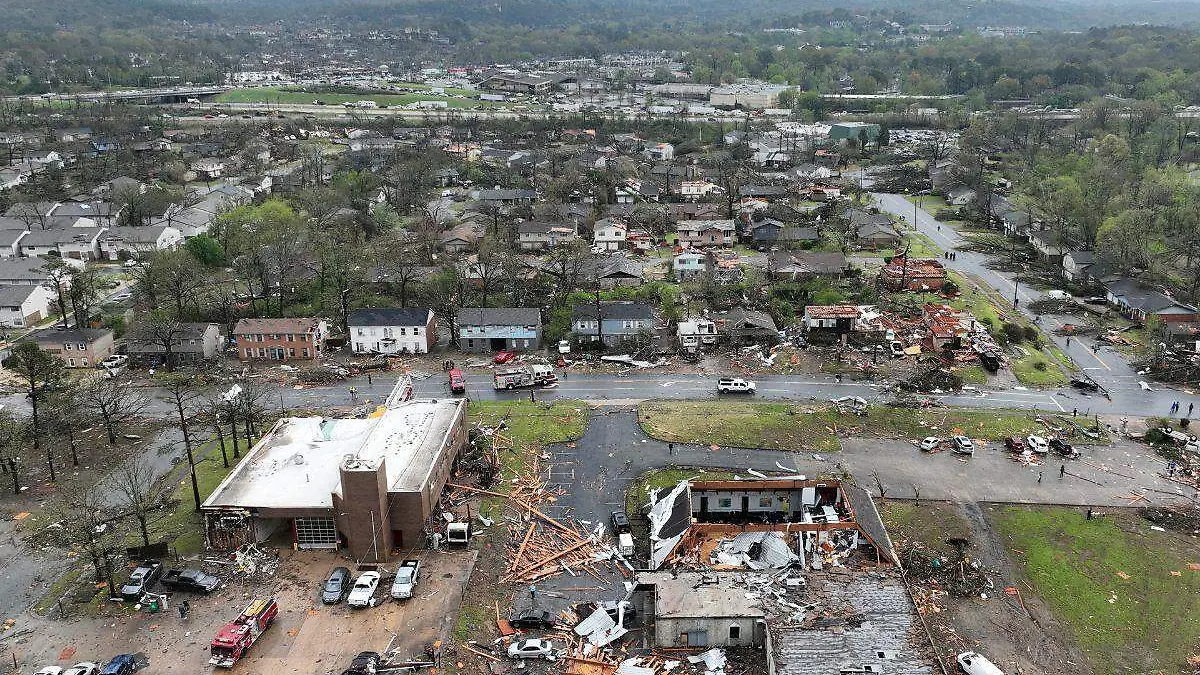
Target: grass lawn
(182,525)
(533,423)
(972,375)
(276,95)
(930,523)
(1145,623)
(785,426)
(1038,370)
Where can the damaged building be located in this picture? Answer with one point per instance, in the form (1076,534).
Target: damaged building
(800,569)
(366,485)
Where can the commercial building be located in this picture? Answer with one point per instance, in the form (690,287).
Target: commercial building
(748,96)
(365,485)
(845,131)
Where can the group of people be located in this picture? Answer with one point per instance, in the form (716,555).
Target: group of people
(1175,408)
(950,255)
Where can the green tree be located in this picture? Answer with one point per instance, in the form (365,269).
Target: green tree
(206,249)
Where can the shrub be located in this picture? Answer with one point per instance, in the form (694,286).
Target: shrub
(1013,332)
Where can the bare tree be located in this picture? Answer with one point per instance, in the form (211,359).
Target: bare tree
(14,432)
(113,403)
(160,330)
(182,392)
(58,272)
(134,483)
(180,276)
(84,521)
(68,417)
(41,372)
(84,293)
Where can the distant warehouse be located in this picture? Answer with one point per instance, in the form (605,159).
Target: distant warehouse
(367,485)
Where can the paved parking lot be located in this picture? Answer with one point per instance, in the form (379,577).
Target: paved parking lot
(1103,475)
(308,638)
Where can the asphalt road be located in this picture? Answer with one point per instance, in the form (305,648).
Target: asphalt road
(1105,365)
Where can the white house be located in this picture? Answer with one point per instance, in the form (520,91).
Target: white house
(689,265)
(79,243)
(392,330)
(695,190)
(609,234)
(696,333)
(22,306)
(120,243)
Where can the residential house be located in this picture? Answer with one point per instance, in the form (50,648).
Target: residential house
(119,186)
(11,233)
(1075,265)
(123,243)
(695,334)
(1049,246)
(461,237)
(947,327)
(77,347)
(824,192)
(639,240)
(286,339)
(797,265)
(24,306)
(497,328)
(876,236)
(698,610)
(392,330)
(12,178)
(690,265)
(696,190)
(99,213)
(770,232)
(706,232)
(746,325)
(1140,304)
(77,243)
(611,271)
(194,343)
(660,152)
(24,272)
(960,195)
(609,234)
(768,192)
(72,134)
(915,274)
(633,191)
(612,322)
(46,158)
(830,321)
(505,197)
(208,168)
(694,211)
(446,177)
(539,236)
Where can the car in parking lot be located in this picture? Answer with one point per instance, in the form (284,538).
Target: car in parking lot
(1063,448)
(533,648)
(114,361)
(1038,444)
(1015,444)
(962,445)
(336,586)
(930,443)
(141,579)
(123,664)
(83,668)
(364,589)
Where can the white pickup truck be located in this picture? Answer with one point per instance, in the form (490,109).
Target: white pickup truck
(735,385)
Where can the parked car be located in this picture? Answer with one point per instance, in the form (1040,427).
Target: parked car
(49,670)
(533,648)
(124,664)
(1038,444)
(1063,448)
(504,356)
(1015,444)
(83,668)
(962,445)
(564,346)
(407,576)
(366,663)
(336,586)
(541,621)
(972,663)
(930,443)
(114,361)
(364,589)
(620,522)
(141,580)
(735,385)
(194,581)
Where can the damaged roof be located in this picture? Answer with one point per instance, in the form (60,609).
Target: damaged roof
(670,517)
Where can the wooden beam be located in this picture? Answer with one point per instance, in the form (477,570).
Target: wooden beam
(521,551)
(523,505)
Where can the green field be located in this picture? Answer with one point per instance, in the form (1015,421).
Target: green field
(1126,591)
(282,96)
(816,427)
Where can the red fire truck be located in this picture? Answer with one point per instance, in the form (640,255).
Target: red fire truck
(235,637)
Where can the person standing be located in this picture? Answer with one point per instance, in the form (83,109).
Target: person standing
(1062,471)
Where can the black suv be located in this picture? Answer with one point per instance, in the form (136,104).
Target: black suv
(620,522)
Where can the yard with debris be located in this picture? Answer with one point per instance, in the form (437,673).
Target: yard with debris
(1128,589)
(819,426)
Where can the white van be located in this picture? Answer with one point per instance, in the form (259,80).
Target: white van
(973,663)
(1058,295)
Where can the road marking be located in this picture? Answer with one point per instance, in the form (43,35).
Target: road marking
(1055,402)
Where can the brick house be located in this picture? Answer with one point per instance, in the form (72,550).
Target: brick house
(301,338)
(917,274)
(77,347)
